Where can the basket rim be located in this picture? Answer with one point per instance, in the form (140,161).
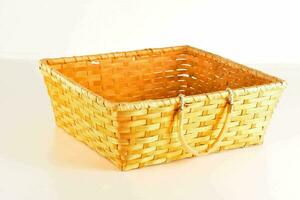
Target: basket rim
(45,66)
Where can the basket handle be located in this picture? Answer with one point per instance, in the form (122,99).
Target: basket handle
(219,138)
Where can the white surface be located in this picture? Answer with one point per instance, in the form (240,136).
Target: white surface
(39,161)
(260,31)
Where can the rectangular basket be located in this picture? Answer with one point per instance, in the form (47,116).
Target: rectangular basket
(153,106)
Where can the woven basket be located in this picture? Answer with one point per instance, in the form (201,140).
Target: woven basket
(153,106)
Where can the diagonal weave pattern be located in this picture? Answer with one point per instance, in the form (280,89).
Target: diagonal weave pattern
(124,105)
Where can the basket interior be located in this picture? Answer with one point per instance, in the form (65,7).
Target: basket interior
(158,73)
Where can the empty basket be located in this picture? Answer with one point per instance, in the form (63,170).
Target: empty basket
(153,106)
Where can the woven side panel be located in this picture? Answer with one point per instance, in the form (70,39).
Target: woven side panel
(130,78)
(210,74)
(85,119)
(152,133)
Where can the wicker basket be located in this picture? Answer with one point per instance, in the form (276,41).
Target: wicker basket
(154,106)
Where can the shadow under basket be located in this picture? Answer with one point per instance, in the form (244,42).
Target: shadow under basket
(153,106)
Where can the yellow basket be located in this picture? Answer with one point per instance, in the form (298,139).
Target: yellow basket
(153,106)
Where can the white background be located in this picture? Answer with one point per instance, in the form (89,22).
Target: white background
(40,161)
(250,31)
